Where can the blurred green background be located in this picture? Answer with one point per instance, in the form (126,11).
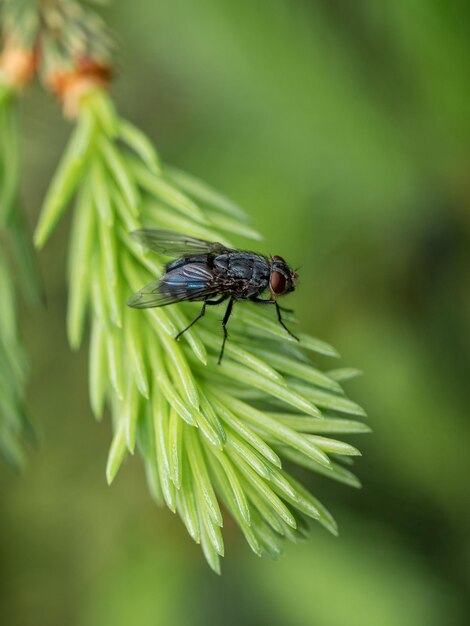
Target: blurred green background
(344,129)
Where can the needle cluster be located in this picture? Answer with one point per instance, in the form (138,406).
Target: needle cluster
(211,437)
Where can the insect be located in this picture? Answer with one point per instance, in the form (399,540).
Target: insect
(212,273)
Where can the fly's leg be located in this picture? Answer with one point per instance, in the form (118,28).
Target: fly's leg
(221,299)
(281,322)
(278,311)
(198,317)
(227,315)
(201,314)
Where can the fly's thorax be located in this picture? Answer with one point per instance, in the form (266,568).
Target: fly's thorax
(244,265)
(243,274)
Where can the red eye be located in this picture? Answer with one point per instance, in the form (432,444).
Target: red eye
(278,282)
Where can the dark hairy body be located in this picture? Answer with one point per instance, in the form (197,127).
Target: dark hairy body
(241,275)
(211,273)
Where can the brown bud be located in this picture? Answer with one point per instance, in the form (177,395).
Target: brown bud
(71,86)
(17,66)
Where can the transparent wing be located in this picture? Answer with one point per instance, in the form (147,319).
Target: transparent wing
(193,281)
(169,243)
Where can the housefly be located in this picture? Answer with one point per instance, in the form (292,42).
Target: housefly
(212,273)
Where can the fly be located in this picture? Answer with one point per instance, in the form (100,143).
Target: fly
(212,273)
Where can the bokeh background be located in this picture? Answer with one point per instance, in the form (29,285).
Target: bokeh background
(344,129)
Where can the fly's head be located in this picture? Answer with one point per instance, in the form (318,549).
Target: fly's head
(282,279)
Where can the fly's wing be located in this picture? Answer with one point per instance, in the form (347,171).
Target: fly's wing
(193,281)
(169,243)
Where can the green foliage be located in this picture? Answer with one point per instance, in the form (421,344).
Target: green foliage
(9,154)
(13,422)
(209,435)
(14,246)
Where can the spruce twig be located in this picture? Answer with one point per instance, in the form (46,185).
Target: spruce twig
(209,436)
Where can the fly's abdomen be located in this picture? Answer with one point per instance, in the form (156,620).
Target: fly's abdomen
(174,281)
(203,259)
(188,281)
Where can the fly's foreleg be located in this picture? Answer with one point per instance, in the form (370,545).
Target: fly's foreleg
(281,321)
(278,311)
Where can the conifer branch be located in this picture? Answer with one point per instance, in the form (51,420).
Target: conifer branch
(212,438)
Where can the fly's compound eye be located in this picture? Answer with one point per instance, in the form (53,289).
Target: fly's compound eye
(278,283)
